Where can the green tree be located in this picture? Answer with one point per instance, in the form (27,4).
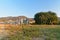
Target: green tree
(46,18)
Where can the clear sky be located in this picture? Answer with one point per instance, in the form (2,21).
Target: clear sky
(28,7)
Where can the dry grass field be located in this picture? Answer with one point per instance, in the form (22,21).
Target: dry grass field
(31,32)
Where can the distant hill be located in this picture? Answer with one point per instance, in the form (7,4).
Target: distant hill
(17,19)
(10,18)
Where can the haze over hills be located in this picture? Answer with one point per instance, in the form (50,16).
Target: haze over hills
(4,19)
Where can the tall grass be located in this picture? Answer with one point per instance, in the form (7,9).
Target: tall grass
(34,32)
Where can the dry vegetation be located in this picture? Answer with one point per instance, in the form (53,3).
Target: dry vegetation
(33,32)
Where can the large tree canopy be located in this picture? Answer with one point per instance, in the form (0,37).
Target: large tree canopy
(45,18)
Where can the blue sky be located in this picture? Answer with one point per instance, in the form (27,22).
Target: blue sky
(28,7)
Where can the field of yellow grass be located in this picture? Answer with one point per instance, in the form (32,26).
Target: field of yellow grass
(29,32)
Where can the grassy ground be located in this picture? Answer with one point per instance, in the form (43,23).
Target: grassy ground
(34,32)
